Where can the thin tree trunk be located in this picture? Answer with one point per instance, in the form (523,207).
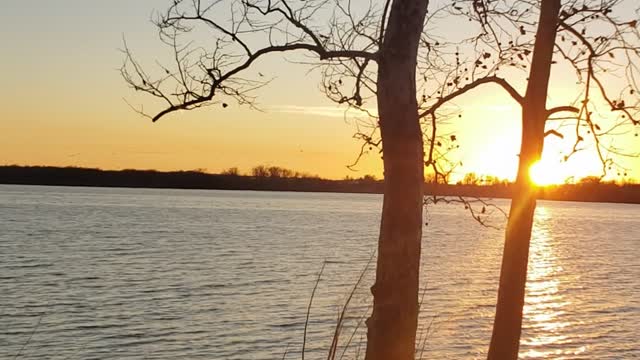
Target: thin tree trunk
(393,323)
(507,325)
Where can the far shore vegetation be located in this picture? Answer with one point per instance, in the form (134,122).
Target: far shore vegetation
(276,178)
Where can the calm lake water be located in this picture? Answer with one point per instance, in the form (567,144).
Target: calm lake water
(92,273)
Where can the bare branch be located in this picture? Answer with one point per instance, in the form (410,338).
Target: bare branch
(558,109)
(553,132)
(490,79)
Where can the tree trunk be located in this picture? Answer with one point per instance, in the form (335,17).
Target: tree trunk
(505,340)
(393,323)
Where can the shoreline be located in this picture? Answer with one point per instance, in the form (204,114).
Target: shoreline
(193,180)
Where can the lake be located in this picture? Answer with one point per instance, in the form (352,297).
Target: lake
(96,273)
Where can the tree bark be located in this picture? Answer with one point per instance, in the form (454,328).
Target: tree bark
(505,340)
(393,323)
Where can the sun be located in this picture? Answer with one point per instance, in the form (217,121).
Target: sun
(545,172)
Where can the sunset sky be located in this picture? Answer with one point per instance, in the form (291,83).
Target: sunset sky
(63,104)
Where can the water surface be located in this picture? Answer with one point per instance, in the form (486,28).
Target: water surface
(95,273)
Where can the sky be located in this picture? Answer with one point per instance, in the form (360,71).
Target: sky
(64,103)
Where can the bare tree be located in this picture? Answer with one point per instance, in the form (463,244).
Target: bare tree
(232,171)
(588,37)
(505,340)
(373,53)
(345,44)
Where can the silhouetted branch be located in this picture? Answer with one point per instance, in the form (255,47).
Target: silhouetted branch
(35,328)
(553,132)
(336,334)
(469,205)
(220,68)
(490,79)
(558,109)
(306,321)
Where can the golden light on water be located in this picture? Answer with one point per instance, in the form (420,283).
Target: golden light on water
(546,304)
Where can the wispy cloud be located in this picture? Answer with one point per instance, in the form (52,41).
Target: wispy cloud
(342,112)
(328,111)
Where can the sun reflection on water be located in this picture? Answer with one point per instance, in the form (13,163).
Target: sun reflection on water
(545,308)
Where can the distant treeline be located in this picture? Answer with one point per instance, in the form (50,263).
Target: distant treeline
(583,191)
(271,178)
(279,179)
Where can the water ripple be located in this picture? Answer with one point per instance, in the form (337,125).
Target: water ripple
(163,274)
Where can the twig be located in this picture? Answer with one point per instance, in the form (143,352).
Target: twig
(336,334)
(306,322)
(30,336)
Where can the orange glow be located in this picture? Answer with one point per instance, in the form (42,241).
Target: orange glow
(81,124)
(546,172)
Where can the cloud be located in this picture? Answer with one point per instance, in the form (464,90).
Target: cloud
(327,111)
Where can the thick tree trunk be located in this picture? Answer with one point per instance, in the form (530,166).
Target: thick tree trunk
(505,340)
(393,323)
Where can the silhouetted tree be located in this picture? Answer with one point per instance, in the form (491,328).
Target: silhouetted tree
(585,35)
(346,43)
(494,180)
(260,171)
(232,171)
(470,179)
(590,180)
(373,54)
